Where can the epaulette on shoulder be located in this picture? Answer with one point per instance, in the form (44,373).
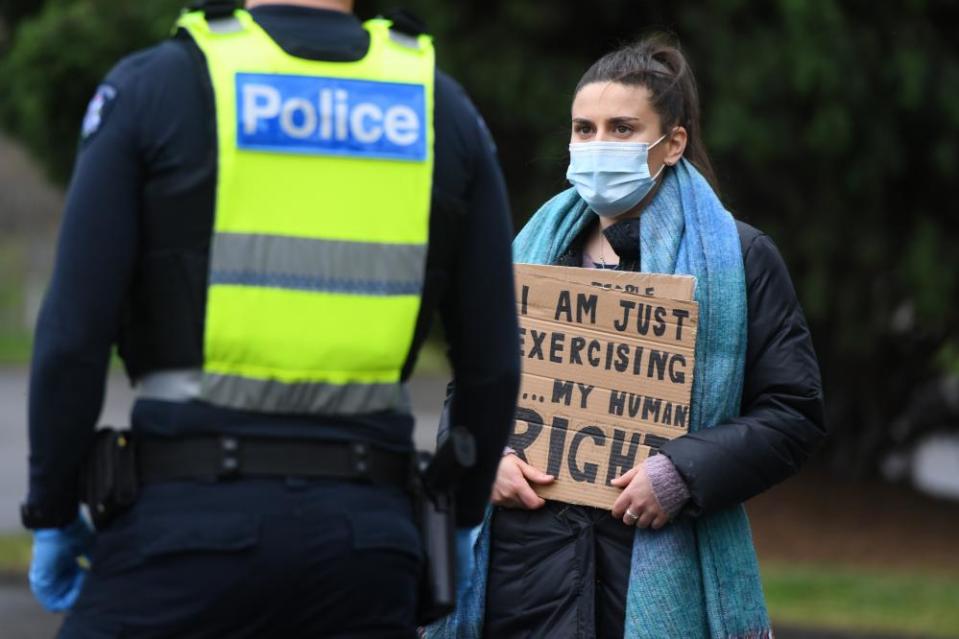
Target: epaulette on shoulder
(215,9)
(406,22)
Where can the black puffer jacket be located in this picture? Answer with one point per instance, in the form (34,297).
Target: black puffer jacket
(782,420)
(562,570)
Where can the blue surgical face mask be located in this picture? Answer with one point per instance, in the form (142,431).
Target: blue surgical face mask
(612,177)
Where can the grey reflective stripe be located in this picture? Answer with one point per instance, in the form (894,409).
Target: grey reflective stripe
(363,268)
(171,386)
(310,398)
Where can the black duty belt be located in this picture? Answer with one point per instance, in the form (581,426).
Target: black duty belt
(227,457)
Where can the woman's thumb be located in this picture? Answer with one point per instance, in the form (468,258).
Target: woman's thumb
(535,475)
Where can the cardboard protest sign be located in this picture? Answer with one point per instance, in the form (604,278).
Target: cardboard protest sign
(608,360)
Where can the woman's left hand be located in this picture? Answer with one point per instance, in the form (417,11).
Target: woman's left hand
(637,505)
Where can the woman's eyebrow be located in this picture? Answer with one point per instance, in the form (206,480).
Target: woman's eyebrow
(620,119)
(623,119)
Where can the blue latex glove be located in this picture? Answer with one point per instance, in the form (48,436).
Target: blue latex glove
(55,575)
(465,538)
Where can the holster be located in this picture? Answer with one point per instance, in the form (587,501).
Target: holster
(436,481)
(435,518)
(108,477)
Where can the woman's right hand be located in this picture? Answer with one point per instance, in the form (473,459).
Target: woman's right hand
(512,487)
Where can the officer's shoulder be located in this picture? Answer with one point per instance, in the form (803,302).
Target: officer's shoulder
(168,59)
(452,91)
(453,104)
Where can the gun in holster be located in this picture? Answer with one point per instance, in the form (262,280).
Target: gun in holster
(108,476)
(435,483)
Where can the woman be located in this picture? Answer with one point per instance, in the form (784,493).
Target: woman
(674,558)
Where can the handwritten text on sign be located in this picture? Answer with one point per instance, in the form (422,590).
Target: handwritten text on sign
(607,374)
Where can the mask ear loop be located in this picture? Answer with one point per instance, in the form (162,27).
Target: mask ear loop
(659,140)
(664,136)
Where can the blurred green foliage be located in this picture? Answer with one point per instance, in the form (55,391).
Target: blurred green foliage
(12,12)
(57,58)
(834,126)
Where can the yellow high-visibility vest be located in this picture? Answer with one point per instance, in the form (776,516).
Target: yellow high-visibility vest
(318,254)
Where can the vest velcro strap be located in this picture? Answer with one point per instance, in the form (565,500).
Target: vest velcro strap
(215,9)
(406,22)
(272,396)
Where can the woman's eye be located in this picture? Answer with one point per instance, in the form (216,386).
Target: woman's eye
(583,129)
(622,129)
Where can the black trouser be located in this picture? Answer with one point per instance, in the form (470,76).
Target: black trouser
(254,558)
(560,571)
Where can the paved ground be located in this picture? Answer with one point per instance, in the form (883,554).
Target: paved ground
(20,615)
(868,524)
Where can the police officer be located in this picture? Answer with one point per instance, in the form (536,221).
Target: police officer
(266,211)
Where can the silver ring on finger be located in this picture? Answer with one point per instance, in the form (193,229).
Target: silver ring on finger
(632,515)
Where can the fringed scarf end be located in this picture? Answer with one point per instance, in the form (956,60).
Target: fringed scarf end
(757,634)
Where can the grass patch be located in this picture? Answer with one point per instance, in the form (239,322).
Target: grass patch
(835,597)
(15,552)
(432,361)
(15,347)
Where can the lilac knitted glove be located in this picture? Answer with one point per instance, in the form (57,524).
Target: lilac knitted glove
(668,487)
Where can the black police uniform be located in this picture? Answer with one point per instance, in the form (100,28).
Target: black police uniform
(251,557)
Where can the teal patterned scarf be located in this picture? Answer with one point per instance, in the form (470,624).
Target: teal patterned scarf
(692,578)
